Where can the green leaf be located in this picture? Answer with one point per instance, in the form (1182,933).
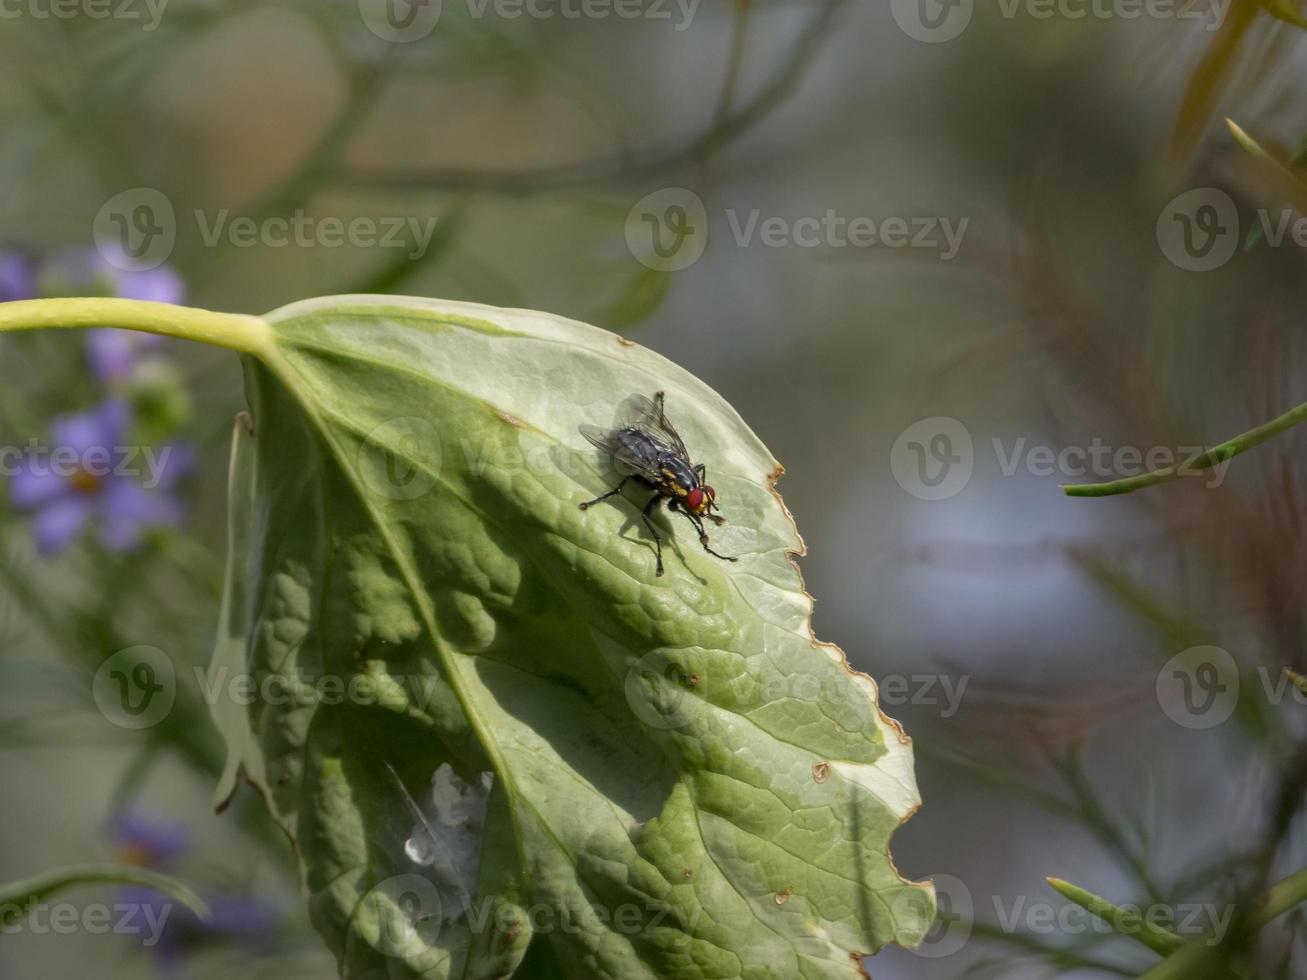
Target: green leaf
(40,887)
(1280,171)
(686,784)
(1285,10)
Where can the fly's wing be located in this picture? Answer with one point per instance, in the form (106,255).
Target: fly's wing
(647,414)
(623,454)
(597,437)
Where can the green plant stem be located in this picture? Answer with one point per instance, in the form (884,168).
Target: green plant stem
(1280,898)
(39,886)
(1189,961)
(1127,922)
(235,331)
(1217,454)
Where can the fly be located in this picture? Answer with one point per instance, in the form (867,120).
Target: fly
(648,450)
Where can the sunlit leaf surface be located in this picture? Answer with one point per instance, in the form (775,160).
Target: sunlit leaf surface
(685,783)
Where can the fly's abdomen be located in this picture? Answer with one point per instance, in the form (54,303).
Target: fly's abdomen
(642,451)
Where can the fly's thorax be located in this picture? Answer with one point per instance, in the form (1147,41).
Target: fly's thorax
(679,474)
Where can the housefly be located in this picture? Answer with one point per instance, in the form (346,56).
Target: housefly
(647,449)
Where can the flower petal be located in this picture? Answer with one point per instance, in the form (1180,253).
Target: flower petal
(128,509)
(17,277)
(56,524)
(111,354)
(102,427)
(35,484)
(158,285)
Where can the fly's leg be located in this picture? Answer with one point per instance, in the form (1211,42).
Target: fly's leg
(604,496)
(703,537)
(658,542)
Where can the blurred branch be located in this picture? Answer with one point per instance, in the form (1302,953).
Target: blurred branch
(1217,454)
(1209,80)
(723,131)
(1096,819)
(1126,922)
(1281,172)
(34,889)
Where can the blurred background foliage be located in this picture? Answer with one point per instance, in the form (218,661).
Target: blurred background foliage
(1059,322)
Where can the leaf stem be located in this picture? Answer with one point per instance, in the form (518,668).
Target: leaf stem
(1281,897)
(235,331)
(39,886)
(1127,922)
(1217,454)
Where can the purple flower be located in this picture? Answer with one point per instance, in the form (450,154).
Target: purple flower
(89,473)
(148,843)
(111,354)
(233,917)
(158,285)
(17,276)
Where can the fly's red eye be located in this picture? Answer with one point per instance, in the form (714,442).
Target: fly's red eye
(694,499)
(712,494)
